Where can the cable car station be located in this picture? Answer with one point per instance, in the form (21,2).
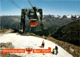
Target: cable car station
(33,17)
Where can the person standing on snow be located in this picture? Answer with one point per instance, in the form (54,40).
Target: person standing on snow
(43,44)
(56,48)
(53,51)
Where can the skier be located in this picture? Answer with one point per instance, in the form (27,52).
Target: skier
(56,48)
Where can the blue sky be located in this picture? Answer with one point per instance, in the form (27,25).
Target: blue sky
(53,7)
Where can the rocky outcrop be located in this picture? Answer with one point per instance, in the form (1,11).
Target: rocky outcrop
(6,31)
(8,55)
(4,46)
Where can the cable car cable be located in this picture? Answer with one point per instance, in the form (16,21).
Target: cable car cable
(30,4)
(16,4)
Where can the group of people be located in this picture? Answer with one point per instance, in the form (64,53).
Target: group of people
(54,51)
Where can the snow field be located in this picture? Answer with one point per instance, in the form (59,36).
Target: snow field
(21,42)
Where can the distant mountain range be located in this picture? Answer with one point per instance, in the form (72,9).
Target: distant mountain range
(51,22)
(64,16)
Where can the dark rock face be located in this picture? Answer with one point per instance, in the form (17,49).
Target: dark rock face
(69,33)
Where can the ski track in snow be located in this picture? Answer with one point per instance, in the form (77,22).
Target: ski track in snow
(21,42)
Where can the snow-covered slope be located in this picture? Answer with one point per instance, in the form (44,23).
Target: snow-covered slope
(21,42)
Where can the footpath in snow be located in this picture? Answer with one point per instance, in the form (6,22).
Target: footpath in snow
(21,42)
